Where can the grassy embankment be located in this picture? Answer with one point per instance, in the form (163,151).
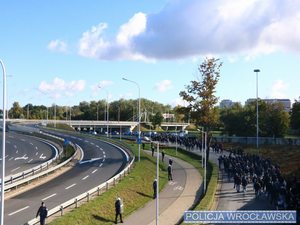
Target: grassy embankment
(135,190)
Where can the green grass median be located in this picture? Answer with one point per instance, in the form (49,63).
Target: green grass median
(135,190)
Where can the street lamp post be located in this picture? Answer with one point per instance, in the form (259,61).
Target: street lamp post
(157,184)
(107,110)
(3,143)
(139,126)
(257,128)
(204,156)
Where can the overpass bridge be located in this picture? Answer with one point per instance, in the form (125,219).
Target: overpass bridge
(102,125)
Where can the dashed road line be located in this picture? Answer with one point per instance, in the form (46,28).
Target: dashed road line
(94,171)
(15,212)
(70,186)
(85,177)
(36,153)
(11,158)
(30,160)
(101,165)
(50,196)
(15,169)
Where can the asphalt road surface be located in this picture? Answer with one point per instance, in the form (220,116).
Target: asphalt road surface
(24,152)
(100,162)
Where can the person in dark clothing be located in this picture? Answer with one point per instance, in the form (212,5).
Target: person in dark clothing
(152,149)
(42,212)
(162,155)
(154,189)
(170,161)
(119,209)
(170,175)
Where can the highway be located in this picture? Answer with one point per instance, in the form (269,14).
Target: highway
(100,161)
(24,152)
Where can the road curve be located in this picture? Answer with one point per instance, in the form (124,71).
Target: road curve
(100,162)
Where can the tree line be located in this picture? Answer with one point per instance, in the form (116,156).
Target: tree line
(201,110)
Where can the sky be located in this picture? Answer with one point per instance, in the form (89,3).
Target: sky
(65,52)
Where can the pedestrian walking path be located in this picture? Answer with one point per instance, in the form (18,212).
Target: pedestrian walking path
(178,196)
(227,198)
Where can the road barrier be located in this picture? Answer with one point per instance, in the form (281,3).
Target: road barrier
(96,191)
(27,176)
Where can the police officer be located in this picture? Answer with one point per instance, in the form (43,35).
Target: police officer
(154,188)
(42,212)
(119,209)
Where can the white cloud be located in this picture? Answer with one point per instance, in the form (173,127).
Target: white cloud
(179,102)
(188,28)
(278,89)
(57,46)
(59,88)
(92,43)
(163,85)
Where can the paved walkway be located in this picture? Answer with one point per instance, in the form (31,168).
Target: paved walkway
(177,197)
(227,197)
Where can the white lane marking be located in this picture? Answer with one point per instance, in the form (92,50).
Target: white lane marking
(36,153)
(92,143)
(82,153)
(15,147)
(179,188)
(17,151)
(97,146)
(101,149)
(6,156)
(22,139)
(11,158)
(103,160)
(90,160)
(100,164)
(23,157)
(42,156)
(15,169)
(8,142)
(30,160)
(50,196)
(31,143)
(104,156)
(94,171)
(70,186)
(85,177)
(36,147)
(15,212)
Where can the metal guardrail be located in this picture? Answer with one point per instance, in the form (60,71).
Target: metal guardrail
(87,195)
(32,174)
(34,170)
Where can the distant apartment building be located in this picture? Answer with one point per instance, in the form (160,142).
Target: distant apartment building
(285,102)
(226,103)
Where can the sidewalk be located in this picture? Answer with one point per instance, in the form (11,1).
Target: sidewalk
(227,198)
(178,196)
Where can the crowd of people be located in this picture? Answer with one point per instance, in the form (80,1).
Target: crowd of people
(247,170)
(265,177)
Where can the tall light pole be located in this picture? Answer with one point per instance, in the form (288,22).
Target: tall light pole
(157,183)
(139,127)
(107,109)
(3,143)
(257,128)
(204,156)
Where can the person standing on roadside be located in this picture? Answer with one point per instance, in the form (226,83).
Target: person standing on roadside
(42,212)
(162,155)
(119,210)
(154,188)
(170,175)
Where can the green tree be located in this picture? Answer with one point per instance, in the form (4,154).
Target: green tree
(16,111)
(295,116)
(200,94)
(157,119)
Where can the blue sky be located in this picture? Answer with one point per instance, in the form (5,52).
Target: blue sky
(62,51)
